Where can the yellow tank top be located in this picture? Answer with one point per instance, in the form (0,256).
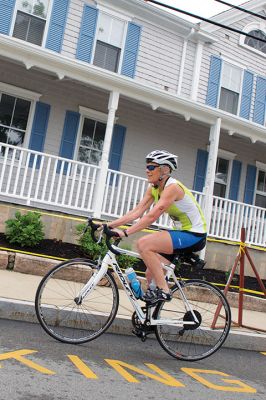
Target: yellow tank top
(186,213)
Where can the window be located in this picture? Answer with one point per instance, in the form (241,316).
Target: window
(221,177)
(256,44)
(260,198)
(91,141)
(230,88)
(109,42)
(30,20)
(14,114)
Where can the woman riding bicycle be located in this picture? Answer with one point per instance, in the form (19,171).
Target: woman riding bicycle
(172,197)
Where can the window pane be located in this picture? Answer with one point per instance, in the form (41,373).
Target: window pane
(21,114)
(260,201)
(257,44)
(228,101)
(99,136)
(231,77)
(95,157)
(219,190)
(221,173)
(36,7)
(25,5)
(117,33)
(261,181)
(36,30)
(110,30)
(106,56)
(21,26)
(84,155)
(87,132)
(40,8)
(15,138)
(29,28)
(3,134)
(6,109)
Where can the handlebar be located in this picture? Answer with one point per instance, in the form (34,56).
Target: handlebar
(108,235)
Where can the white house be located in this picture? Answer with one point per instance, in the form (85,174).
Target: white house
(88,88)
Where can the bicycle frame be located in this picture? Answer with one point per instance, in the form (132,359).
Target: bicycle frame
(109,260)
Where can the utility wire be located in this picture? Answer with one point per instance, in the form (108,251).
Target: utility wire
(241,9)
(206,20)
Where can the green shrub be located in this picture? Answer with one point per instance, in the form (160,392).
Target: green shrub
(25,230)
(94,250)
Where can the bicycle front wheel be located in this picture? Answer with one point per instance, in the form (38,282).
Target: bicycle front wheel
(185,339)
(58,310)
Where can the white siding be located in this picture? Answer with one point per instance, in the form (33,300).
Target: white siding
(231,50)
(159,57)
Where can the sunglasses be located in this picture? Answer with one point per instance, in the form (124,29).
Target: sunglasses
(151,167)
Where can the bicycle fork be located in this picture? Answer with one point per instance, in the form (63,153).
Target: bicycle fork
(92,282)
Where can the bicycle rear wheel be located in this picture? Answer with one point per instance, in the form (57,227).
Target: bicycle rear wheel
(58,312)
(200,340)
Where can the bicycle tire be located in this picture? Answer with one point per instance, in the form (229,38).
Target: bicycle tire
(58,313)
(200,340)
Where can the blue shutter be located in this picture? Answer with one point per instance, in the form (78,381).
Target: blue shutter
(131,50)
(117,147)
(7,7)
(87,33)
(246,95)
(69,136)
(235,180)
(250,184)
(39,129)
(200,170)
(214,81)
(57,25)
(260,101)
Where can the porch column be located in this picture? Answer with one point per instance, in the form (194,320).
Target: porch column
(104,163)
(211,166)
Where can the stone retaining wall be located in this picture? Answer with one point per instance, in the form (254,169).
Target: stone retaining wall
(62,227)
(33,265)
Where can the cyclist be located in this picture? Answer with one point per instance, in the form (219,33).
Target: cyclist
(166,194)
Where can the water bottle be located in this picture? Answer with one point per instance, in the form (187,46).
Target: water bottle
(134,282)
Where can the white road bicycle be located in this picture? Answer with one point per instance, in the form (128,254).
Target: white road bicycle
(78,300)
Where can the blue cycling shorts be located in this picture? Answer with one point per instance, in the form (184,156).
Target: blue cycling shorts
(188,241)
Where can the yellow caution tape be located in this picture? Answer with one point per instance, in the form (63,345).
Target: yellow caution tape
(138,272)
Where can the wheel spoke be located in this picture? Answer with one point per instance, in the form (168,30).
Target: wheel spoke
(194,342)
(58,312)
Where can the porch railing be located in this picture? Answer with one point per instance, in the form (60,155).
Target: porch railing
(35,178)
(46,181)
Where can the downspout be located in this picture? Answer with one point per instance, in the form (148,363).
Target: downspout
(183,60)
(196,71)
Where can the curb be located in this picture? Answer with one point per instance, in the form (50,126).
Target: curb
(25,311)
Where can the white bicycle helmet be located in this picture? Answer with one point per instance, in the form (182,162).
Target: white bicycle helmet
(163,157)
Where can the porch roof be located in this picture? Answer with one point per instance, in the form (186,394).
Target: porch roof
(32,56)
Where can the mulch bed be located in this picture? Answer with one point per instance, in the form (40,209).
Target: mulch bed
(68,250)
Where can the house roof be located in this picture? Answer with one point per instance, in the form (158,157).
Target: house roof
(233,15)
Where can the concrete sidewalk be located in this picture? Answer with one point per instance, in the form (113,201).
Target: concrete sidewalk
(17,294)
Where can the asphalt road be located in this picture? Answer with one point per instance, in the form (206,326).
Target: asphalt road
(34,366)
